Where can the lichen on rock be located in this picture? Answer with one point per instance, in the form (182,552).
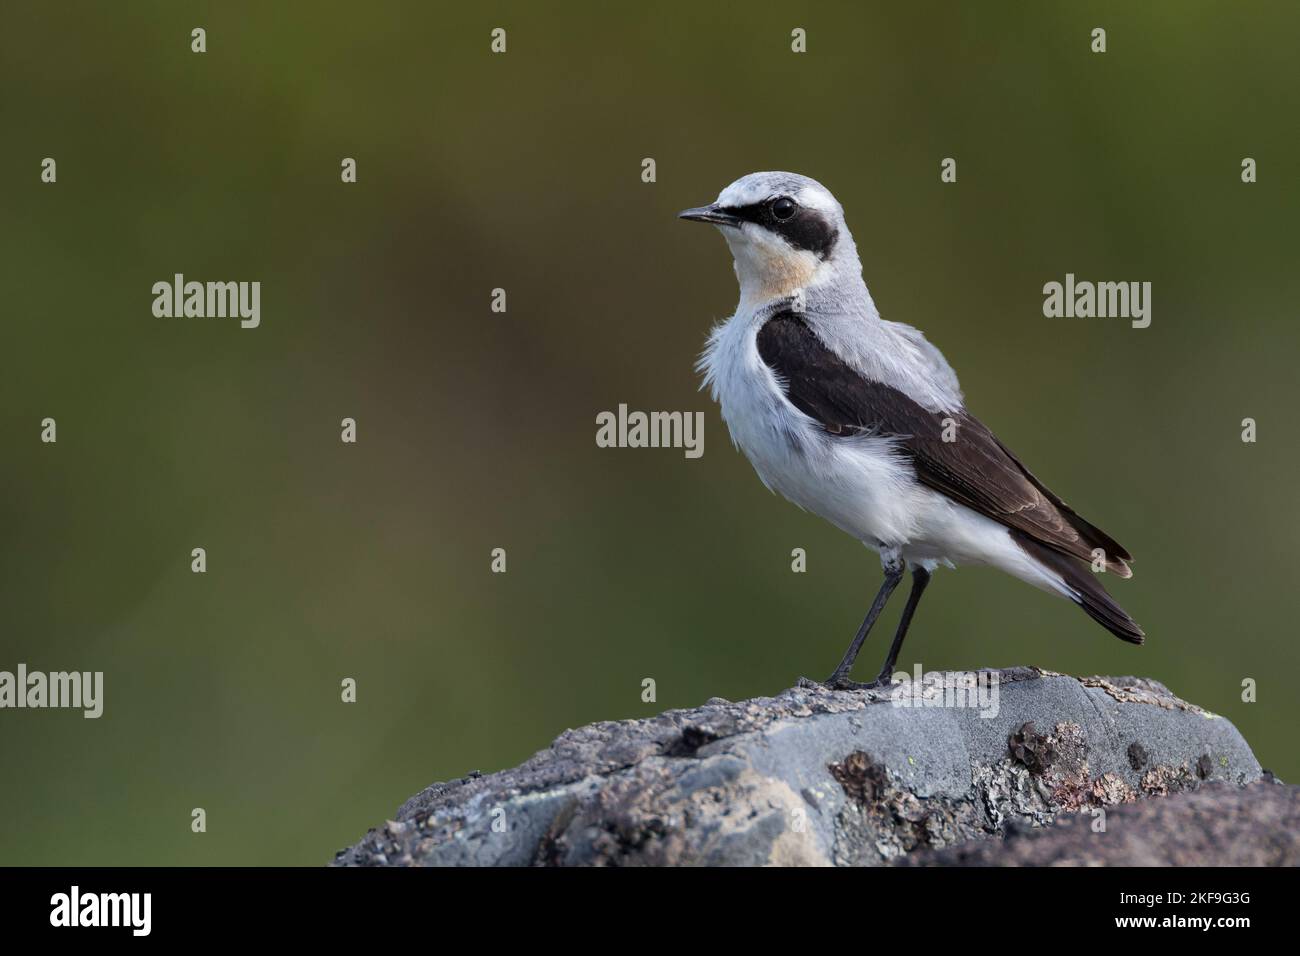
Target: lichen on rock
(817,777)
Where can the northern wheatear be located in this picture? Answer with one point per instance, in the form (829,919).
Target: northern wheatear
(862,421)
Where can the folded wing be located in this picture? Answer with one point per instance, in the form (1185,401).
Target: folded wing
(973,467)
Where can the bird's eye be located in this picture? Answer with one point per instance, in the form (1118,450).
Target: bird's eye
(784,208)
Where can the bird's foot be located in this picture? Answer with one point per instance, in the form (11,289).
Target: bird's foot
(835,682)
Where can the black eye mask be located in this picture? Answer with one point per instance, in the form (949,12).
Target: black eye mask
(806,229)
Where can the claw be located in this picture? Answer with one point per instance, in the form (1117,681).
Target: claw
(846,684)
(842,683)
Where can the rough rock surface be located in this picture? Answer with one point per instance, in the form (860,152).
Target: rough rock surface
(815,777)
(1217,825)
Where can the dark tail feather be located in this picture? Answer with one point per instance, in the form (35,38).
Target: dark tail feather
(1092,597)
(1117,556)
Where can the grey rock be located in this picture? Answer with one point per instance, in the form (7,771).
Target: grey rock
(815,777)
(1216,825)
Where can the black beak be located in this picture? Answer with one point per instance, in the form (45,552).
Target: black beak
(711,213)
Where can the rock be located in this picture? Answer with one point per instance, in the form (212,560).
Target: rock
(818,777)
(1217,825)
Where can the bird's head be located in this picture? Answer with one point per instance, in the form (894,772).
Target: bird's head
(786,232)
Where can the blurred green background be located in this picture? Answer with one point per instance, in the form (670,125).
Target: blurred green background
(476,430)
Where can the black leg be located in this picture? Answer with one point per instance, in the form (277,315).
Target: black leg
(920,578)
(841,676)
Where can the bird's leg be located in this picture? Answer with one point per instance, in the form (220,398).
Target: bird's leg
(920,578)
(840,678)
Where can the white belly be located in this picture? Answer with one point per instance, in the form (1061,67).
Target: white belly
(861,485)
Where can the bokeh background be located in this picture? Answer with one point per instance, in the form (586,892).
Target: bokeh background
(476,430)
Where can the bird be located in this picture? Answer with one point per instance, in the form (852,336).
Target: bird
(862,421)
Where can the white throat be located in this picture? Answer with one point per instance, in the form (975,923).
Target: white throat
(768,268)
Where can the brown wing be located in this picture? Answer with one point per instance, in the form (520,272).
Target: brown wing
(974,468)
